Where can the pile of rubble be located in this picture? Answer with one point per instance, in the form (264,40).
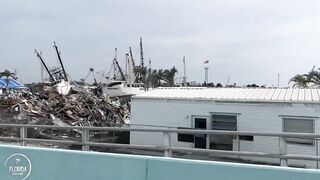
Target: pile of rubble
(77,109)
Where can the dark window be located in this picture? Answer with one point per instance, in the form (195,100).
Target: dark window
(224,122)
(185,137)
(246,138)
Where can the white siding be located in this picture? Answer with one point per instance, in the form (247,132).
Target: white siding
(261,117)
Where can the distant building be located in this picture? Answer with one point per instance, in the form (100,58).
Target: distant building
(233,109)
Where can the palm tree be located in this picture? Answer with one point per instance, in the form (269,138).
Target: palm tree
(300,80)
(306,80)
(8,75)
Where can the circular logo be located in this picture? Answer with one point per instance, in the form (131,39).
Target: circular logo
(18,166)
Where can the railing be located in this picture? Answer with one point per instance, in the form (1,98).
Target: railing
(167,148)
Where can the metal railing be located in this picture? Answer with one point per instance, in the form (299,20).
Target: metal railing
(168,148)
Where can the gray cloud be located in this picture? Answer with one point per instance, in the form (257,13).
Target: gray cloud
(250,41)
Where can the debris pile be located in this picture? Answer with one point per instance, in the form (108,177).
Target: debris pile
(78,109)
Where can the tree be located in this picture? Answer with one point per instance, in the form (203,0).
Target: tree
(8,75)
(300,80)
(310,79)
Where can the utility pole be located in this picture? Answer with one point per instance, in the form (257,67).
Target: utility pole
(150,63)
(58,54)
(278,80)
(184,80)
(141,54)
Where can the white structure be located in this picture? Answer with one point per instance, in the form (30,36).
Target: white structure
(234,109)
(122,88)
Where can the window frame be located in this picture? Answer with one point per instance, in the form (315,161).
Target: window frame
(299,141)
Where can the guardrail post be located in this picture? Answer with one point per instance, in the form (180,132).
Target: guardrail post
(23,135)
(167,144)
(283,151)
(85,139)
(317,150)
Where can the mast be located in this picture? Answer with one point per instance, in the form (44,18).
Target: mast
(184,80)
(58,54)
(127,64)
(141,53)
(44,65)
(131,56)
(119,68)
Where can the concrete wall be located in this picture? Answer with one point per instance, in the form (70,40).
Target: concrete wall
(261,117)
(53,164)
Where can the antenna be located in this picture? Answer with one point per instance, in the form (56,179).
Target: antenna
(228,81)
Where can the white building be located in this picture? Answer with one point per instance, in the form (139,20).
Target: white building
(234,109)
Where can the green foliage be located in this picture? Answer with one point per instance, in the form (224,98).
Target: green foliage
(306,80)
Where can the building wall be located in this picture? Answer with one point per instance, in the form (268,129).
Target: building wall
(261,117)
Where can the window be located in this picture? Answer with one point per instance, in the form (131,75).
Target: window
(185,137)
(297,125)
(224,122)
(246,138)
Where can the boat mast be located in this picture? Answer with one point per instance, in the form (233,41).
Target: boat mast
(141,54)
(44,65)
(131,56)
(184,80)
(58,54)
(119,68)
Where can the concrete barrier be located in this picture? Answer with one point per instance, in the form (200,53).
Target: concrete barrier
(51,164)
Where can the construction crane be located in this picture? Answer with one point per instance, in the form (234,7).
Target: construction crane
(44,65)
(58,54)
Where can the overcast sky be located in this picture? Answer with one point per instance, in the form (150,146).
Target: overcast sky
(249,40)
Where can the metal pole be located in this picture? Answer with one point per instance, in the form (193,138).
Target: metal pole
(317,150)
(59,57)
(23,134)
(283,151)
(85,139)
(167,144)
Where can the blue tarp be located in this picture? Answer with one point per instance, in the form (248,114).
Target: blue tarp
(13,84)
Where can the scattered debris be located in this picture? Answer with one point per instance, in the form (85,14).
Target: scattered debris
(77,109)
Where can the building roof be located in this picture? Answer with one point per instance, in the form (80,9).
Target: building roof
(235,94)
(13,84)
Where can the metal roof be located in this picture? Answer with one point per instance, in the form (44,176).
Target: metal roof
(235,94)
(10,83)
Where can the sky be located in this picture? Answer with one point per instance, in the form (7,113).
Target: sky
(249,41)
